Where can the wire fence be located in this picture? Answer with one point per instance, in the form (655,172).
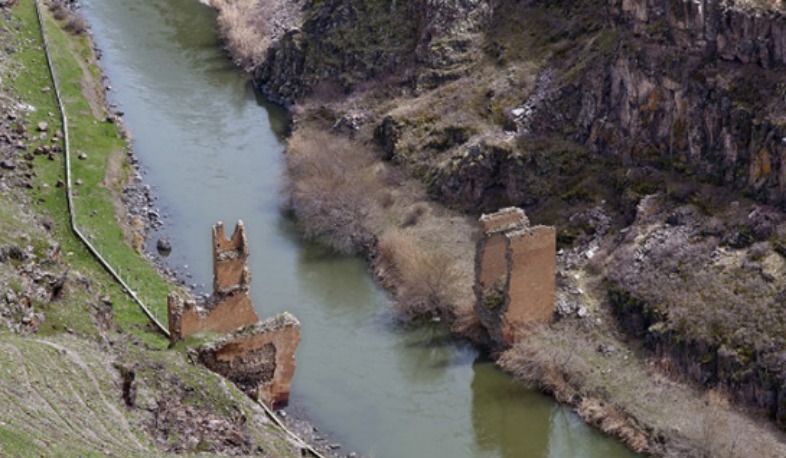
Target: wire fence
(68,186)
(116,273)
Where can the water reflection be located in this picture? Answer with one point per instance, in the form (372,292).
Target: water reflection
(507,419)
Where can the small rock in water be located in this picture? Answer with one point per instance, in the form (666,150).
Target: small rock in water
(164,246)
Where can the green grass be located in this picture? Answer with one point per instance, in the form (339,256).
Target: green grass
(100,140)
(59,388)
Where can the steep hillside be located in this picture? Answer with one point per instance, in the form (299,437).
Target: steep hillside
(82,372)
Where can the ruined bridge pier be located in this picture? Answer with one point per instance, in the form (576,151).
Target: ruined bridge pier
(259,356)
(515,267)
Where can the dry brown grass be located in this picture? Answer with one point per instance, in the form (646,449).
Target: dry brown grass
(333,189)
(427,280)
(625,395)
(345,197)
(245,27)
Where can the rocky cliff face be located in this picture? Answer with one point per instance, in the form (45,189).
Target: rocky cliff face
(686,86)
(342,44)
(560,107)
(682,85)
(693,86)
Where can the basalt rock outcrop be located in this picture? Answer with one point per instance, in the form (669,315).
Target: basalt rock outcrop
(693,86)
(259,356)
(676,84)
(341,44)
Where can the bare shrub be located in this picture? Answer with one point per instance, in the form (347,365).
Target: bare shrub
(58,11)
(332,189)
(76,25)
(720,437)
(427,279)
(546,359)
(245,29)
(759,250)
(467,324)
(414,214)
(387,199)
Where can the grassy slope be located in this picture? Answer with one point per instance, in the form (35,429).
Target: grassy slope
(60,388)
(100,140)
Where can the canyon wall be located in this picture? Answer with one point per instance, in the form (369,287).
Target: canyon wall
(340,45)
(695,87)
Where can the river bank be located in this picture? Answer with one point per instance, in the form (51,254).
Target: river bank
(117,389)
(377,209)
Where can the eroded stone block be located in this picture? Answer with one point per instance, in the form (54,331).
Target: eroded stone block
(260,359)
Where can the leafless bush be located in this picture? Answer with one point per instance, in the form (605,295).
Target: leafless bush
(720,436)
(427,280)
(59,11)
(759,250)
(387,199)
(76,25)
(546,359)
(414,214)
(245,29)
(332,188)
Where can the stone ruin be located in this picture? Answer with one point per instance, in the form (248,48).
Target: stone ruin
(259,356)
(260,359)
(229,307)
(515,267)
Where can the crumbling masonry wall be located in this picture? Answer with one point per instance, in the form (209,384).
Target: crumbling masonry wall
(260,359)
(515,268)
(258,356)
(230,306)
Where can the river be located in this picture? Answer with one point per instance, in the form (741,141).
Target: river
(211,148)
